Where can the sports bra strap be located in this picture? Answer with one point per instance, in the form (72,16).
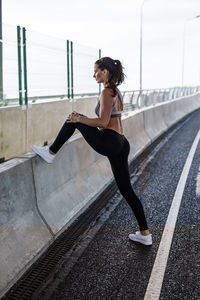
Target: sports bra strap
(115,103)
(119,96)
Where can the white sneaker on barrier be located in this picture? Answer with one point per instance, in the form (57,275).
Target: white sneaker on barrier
(44,153)
(143,239)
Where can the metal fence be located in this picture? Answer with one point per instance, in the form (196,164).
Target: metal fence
(9,64)
(36,67)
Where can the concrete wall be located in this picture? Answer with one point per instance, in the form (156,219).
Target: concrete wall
(19,129)
(12,131)
(39,200)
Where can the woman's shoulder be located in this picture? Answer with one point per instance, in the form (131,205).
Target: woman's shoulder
(106,96)
(107,91)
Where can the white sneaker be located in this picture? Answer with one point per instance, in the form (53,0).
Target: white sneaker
(44,153)
(143,239)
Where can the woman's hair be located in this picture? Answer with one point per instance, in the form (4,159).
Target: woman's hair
(115,69)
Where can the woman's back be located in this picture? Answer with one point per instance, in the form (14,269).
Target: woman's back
(115,119)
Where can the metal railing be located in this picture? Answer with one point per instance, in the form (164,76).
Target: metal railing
(132,99)
(37,67)
(136,99)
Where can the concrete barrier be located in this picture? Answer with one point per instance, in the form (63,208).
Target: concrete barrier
(19,129)
(23,233)
(154,121)
(133,126)
(13,123)
(174,110)
(38,200)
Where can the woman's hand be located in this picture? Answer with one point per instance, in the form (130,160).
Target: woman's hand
(74,117)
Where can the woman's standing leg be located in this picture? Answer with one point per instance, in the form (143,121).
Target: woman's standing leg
(119,165)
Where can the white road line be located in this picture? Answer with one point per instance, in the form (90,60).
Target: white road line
(158,271)
(198,184)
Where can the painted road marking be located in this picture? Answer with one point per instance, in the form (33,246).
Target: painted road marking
(158,270)
(198,183)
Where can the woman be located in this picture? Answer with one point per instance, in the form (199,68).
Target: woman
(105,135)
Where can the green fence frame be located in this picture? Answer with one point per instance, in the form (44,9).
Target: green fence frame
(72,73)
(68,71)
(19,64)
(21,46)
(25,66)
(22,68)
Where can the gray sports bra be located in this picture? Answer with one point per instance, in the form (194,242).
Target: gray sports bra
(115,113)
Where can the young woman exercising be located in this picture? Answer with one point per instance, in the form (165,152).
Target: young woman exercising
(105,135)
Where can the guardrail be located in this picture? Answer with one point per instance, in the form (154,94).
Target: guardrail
(133,99)
(137,99)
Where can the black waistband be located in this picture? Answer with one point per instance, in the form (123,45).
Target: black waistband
(112,132)
(115,116)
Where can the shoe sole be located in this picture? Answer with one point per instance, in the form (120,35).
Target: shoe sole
(141,242)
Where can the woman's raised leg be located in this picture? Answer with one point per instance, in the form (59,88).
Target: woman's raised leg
(64,134)
(92,135)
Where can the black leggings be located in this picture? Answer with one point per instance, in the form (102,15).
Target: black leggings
(116,147)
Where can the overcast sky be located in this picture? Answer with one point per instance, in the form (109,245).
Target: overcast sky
(114,26)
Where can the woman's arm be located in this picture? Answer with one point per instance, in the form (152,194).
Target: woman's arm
(106,102)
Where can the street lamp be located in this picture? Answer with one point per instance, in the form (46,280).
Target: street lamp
(141,33)
(141,49)
(184,38)
(141,37)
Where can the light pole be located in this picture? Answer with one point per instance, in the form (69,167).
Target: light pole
(141,47)
(141,40)
(184,38)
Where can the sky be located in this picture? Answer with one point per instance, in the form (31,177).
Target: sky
(114,27)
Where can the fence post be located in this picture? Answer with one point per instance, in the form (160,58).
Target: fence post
(19,64)
(72,79)
(99,83)
(25,66)
(68,72)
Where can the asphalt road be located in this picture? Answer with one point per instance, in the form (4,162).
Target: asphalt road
(105,264)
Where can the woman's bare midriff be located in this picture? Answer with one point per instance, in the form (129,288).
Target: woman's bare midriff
(114,124)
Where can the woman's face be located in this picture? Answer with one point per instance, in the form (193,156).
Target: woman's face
(99,75)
